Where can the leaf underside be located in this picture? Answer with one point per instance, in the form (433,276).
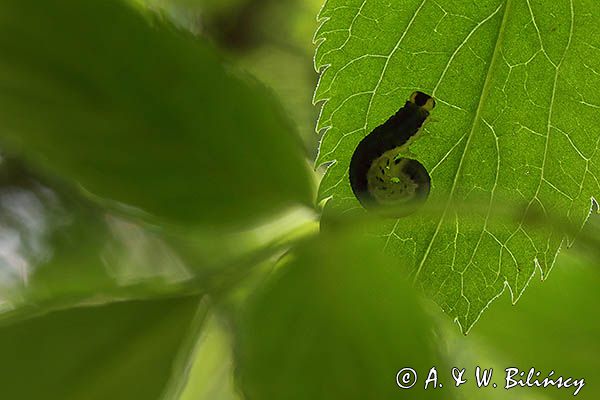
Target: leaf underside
(517,85)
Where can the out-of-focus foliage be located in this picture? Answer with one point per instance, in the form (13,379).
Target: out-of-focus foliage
(58,249)
(283,60)
(272,39)
(286,326)
(550,330)
(143,115)
(335,321)
(211,375)
(119,351)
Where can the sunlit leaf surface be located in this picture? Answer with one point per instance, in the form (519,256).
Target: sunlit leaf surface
(517,84)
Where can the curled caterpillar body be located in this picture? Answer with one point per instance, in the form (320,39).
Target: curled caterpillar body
(381,177)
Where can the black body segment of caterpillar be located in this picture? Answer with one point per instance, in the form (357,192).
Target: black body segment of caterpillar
(380,178)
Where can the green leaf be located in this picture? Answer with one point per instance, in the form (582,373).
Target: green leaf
(567,298)
(211,374)
(336,321)
(563,302)
(117,351)
(122,104)
(517,84)
(59,249)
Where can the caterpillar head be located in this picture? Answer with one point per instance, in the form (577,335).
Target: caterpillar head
(422,100)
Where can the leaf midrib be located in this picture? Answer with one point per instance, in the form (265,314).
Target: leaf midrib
(475,123)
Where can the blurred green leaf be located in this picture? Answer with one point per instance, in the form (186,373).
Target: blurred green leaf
(58,249)
(517,93)
(118,351)
(139,113)
(211,374)
(336,321)
(272,39)
(550,330)
(553,329)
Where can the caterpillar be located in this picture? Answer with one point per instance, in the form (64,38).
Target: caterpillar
(381,176)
